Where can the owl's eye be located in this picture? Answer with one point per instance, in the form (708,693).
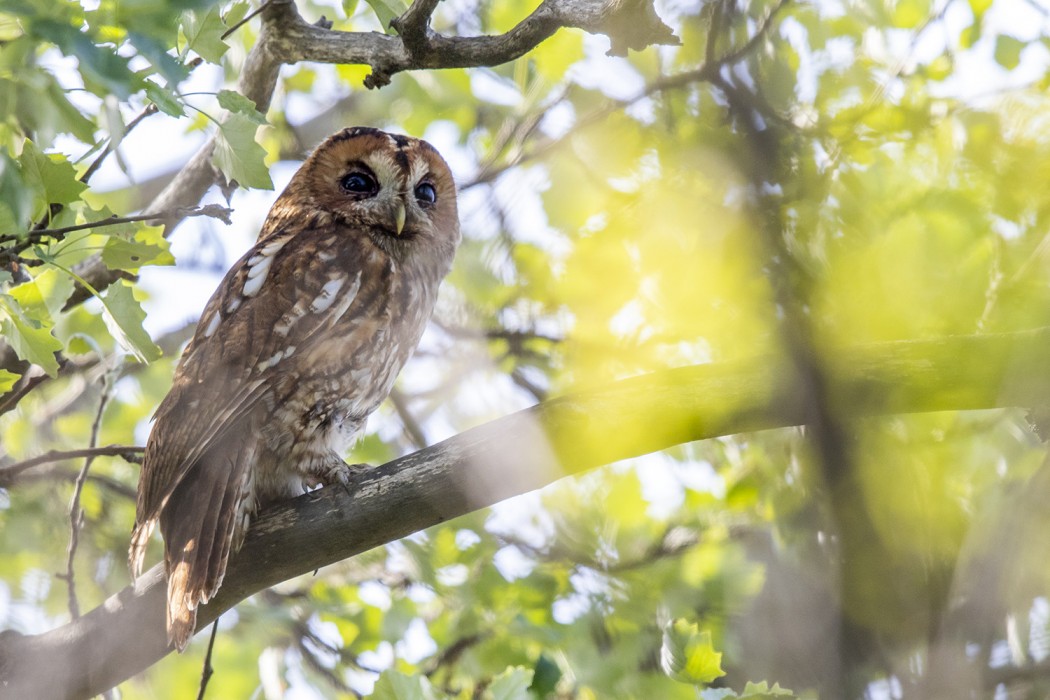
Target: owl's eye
(425,192)
(360,183)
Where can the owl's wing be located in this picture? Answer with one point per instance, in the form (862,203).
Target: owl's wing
(275,301)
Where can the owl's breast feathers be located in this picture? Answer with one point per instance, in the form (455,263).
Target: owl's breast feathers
(317,312)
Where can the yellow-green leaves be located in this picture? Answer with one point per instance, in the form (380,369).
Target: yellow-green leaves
(8,380)
(31,339)
(688,655)
(394,685)
(28,314)
(146,247)
(1008,51)
(50,177)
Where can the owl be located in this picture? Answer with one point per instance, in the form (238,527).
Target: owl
(300,343)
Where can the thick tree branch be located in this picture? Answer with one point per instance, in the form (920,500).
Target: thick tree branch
(628,23)
(519,453)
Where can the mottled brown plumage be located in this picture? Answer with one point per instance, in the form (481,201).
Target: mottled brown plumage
(302,340)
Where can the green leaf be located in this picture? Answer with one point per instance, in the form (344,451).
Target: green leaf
(238,155)
(239,104)
(1008,51)
(7,380)
(124,319)
(394,685)
(512,684)
(130,255)
(15,199)
(687,654)
(43,298)
(166,100)
(203,30)
(31,340)
(52,174)
(387,11)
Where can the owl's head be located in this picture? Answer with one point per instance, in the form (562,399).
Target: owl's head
(395,188)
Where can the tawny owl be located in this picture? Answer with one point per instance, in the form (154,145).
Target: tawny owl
(301,342)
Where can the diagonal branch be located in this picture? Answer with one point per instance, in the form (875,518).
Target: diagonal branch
(519,453)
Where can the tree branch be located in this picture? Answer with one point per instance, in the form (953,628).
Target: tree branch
(10,472)
(519,453)
(629,25)
(213,210)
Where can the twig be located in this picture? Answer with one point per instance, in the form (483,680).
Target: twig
(57,474)
(127,452)
(97,163)
(76,515)
(215,211)
(26,385)
(207,670)
(412,426)
(247,18)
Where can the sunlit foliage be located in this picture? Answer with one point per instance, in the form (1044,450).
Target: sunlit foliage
(794,178)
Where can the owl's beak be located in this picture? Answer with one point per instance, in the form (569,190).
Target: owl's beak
(399,215)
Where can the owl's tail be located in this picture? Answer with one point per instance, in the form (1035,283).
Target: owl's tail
(200,523)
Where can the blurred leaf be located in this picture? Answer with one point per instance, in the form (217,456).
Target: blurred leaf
(545,677)
(512,684)
(687,654)
(394,685)
(98,65)
(908,14)
(1008,51)
(762,691)
(8,380)
(165,99)
(156,53)
(238,155)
